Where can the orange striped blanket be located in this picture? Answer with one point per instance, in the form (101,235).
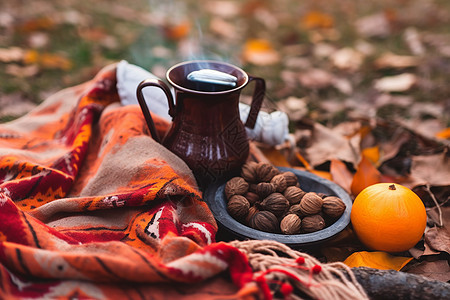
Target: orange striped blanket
(92,208)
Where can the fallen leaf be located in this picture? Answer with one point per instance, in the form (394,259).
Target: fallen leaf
(347,59)
(12,54)
(376,25)
(377,260)
(223,8)
(438,238)
(327,144)
(36,24)
(414,41)
(366,175)
(341,175)
(222,28)
(438,270)
(260,52)
(397,83)
(434,169)
(316,79)
(444,134)
(177,31)
(373,154)
(295,108)
(47,60)
(317,19)
(391,60)
(21,71)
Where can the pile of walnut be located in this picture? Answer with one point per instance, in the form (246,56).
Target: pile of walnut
(268,200)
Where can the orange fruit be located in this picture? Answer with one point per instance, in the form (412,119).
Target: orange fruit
(388,217)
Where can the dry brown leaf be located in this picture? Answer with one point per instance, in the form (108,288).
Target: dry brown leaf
(12,54)
(434,169)
(223,28)
(327,144)
(223,8)
(397,83)
(394,61)
(295,108)
(347,59)
(376,25)
(438,270)
(438,238)
(21,71)
(316,79)
(260,52)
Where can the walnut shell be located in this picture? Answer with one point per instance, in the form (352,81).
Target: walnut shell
(333,206)
(248,171)
(252,197)
(279,182)
(238,207)
(275,203)
(290,224)
(264,189)
(312,223)
(265,172)
(311,204)
(293,194)
(291,178)
(251,212)
(236,186)
(295,209)
(265,221)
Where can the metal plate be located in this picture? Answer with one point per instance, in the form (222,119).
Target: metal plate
(215,198)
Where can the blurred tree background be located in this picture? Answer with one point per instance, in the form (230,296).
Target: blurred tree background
(329,60)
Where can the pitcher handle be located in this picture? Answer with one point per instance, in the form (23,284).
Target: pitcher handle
(258,97)
(148,117)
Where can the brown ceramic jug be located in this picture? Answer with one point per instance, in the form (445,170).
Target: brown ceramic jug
(206,132)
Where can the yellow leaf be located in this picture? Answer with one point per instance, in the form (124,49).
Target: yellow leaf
(377,260)
(317,19)
(444,134)
(260,52)
(47,60)
(372,153)
(275,157)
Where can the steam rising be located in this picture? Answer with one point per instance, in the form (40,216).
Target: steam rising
(212,77)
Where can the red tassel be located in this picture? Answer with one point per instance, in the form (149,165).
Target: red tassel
(300,260)
(316,269)
(264,287)
(286,289)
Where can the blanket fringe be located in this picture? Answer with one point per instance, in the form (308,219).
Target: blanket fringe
(281,272)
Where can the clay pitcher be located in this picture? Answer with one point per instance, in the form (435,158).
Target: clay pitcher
(206,131)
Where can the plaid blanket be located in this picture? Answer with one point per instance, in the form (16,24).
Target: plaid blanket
(92,207)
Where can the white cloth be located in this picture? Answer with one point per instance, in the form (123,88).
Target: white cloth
(270,128)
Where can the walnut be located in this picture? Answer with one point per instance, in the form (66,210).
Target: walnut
(295,209)
(312,223)
(265,172)
(290,224)
(293,194)
(236,186)
(251,212)
(311,204)
(252,197)
(238,207)
(248,171)
(275,203)
(333,206)
(291,178)
(265,221)
(279,182)
(264,189)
